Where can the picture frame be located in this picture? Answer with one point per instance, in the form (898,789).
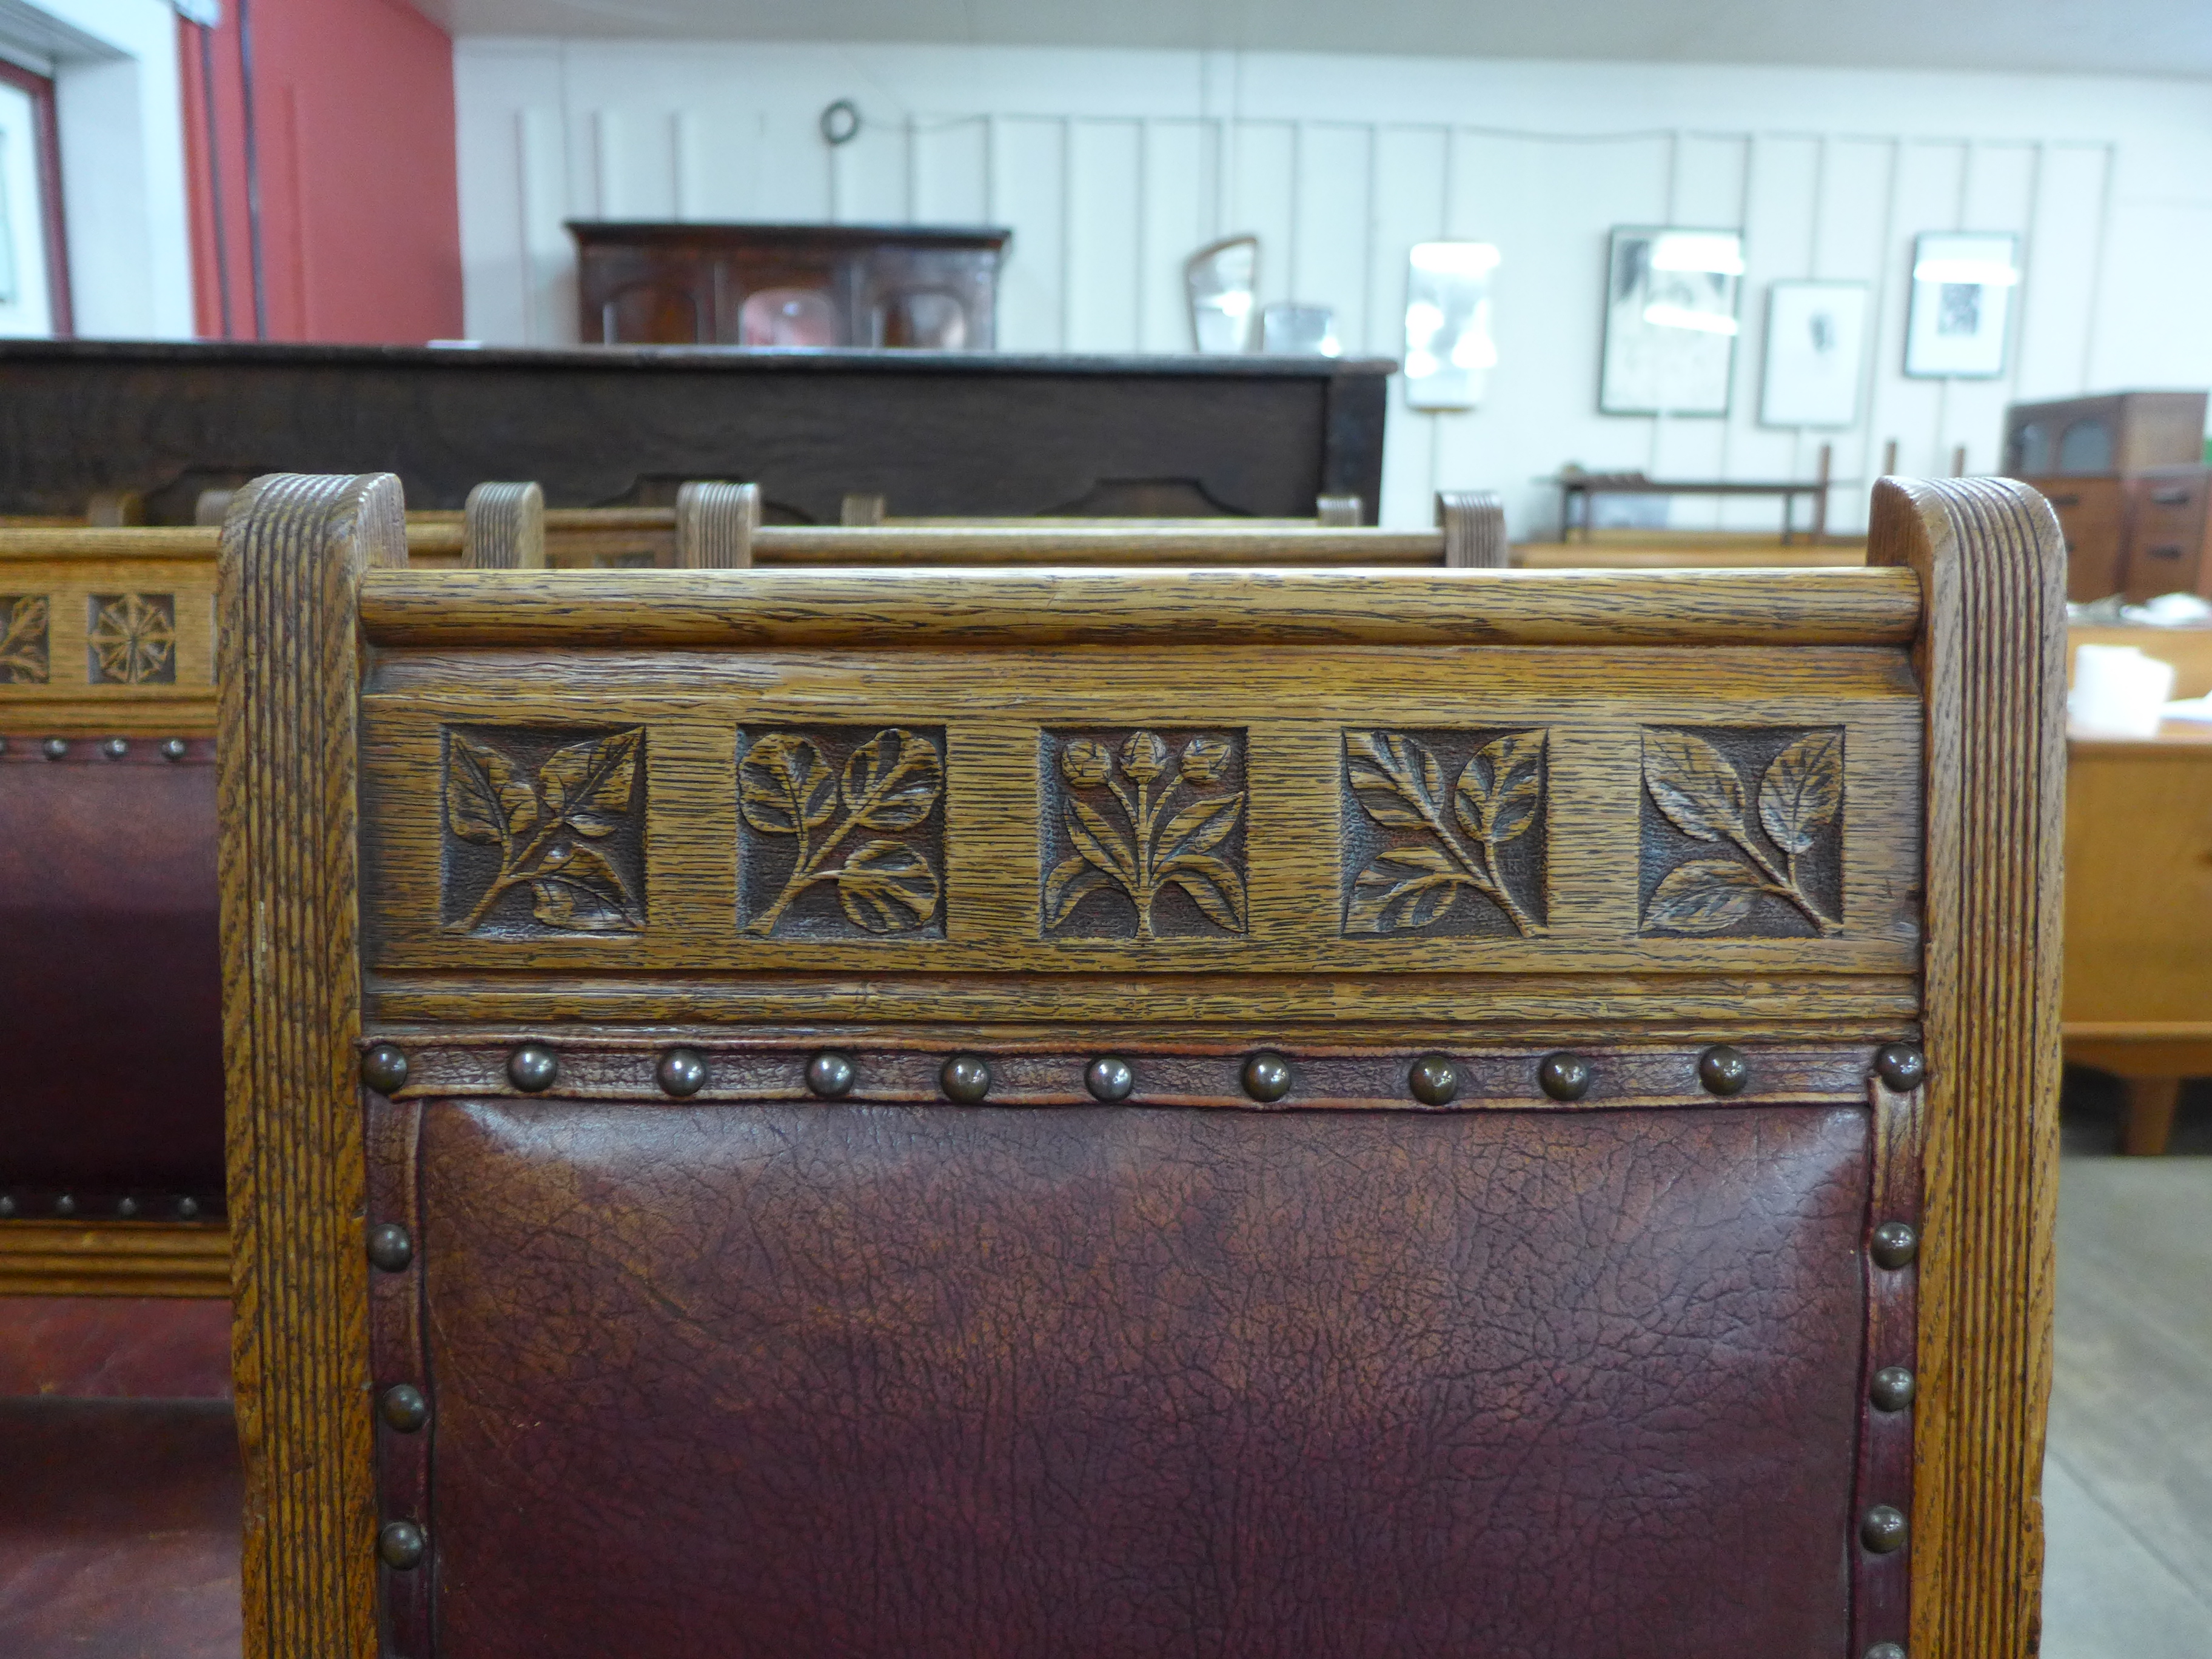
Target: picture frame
(1449,346)
(1670,320)
(1961,312)
(1814,353)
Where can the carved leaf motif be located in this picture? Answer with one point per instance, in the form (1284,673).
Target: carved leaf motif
(1501,787)
(577,890)
(1405,887)
(590,785)
(1101,842)
(1802,790)
(1203,824)
(1396,780)
(886,886)
(1213,886)
(785,784)
(1693,784)
(486,799)
(23,641)
(892,781)
(1704,896)
(1071,882)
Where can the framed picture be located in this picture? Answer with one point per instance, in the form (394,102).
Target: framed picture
(1670,326)
(1961,303)
(1815,347)
(1449,349)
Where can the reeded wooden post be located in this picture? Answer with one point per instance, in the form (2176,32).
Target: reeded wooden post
(289,664)
(1473,523)
(862,510)
(714,525)
(1342,511)
(503,527)
(1991,661)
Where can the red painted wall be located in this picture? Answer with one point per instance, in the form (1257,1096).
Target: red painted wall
(353,141)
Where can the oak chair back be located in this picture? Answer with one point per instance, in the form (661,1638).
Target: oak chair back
(1036,1110)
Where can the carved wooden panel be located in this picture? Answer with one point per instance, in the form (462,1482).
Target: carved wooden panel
(1141,834)
(545,831)
(1742,831)
(842,831)
(23,639)
(130,639)
(1444,833)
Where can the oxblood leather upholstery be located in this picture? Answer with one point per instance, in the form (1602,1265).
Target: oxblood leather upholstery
(112,1016)
(799,1380)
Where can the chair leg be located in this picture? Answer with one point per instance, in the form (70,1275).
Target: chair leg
(2151,1101)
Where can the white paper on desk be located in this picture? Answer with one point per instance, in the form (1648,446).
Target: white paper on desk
(2118,691)
(2190,708)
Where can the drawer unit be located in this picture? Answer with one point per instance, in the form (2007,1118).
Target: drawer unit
(2092,512)
(2166,539)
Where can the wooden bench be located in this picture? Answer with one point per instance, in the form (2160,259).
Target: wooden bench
(1101,1112)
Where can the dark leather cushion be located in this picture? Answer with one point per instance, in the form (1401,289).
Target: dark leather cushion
(112,1020)
(801,1379)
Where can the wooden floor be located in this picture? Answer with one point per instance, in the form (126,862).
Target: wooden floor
(2127,1485)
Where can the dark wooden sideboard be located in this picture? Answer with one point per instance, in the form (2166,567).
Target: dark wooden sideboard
(896,286)
(936,432)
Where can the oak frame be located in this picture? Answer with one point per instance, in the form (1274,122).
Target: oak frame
(1968,573)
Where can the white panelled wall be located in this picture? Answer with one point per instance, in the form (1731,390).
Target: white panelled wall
(1111,166)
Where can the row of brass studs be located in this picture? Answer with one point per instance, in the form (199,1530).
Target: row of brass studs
(127,1207)
(1894,1245)
(1433,1079)
(403,1408)
(173,749)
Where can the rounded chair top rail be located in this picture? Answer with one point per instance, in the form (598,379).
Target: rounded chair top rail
(1039,606)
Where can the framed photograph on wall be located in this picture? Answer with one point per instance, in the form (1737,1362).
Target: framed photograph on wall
(1815,348)
(1962,287)
(1670,325)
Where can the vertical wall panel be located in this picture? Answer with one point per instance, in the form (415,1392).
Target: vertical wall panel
(869,176)
(1781,182)
(2058,293)
(1263,158)
(548,256)
(1408,206)
(951,164)
(1029,195)
(1329,261)
(1928,196)
(1178,214)
(1104,168)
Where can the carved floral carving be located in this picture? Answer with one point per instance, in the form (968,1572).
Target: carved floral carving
(557,817)
(1477,833)
(23,639)
(1136,821)
(1784,834)
(130,639)
(801,814)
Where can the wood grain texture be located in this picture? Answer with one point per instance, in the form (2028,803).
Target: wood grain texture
(1990,659)
(294,552)
(503,527)
(714,525)
(877,609)
(1473,524)
(121,1258)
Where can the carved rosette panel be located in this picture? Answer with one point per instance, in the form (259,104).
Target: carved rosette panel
(1445,833)
(130,639)
(23,639)
(1742,831)
(543,832)
(1141,834)
(840,832)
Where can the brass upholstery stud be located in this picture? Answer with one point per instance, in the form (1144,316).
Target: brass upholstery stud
(7,1204)
(66,1205)
(1886,1650)
(56,748)
(173,749)
(401,1545)
(1434,1080)
(682,1072)
(116,748)
(384,1067)
(830,1075)
(126,1208)
(1882,1529)
(533,1068)
(1266,1076)
(1901,1065)
(1892,1389)
(966,1078)
(188,1208)
(389,1247)
(1723,1071)
(1894,1245)
(403,1408)
(1109,1078)
(1564,1077)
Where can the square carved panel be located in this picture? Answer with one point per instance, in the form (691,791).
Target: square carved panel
(543,832)
(840,832)
(130,639)
(1445,833)
(23,639)
(1141,834)
(1742,831)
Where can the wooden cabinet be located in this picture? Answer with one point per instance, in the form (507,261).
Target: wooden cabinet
(2120,432)
(2165,533)
(787,285)
(2093,514)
